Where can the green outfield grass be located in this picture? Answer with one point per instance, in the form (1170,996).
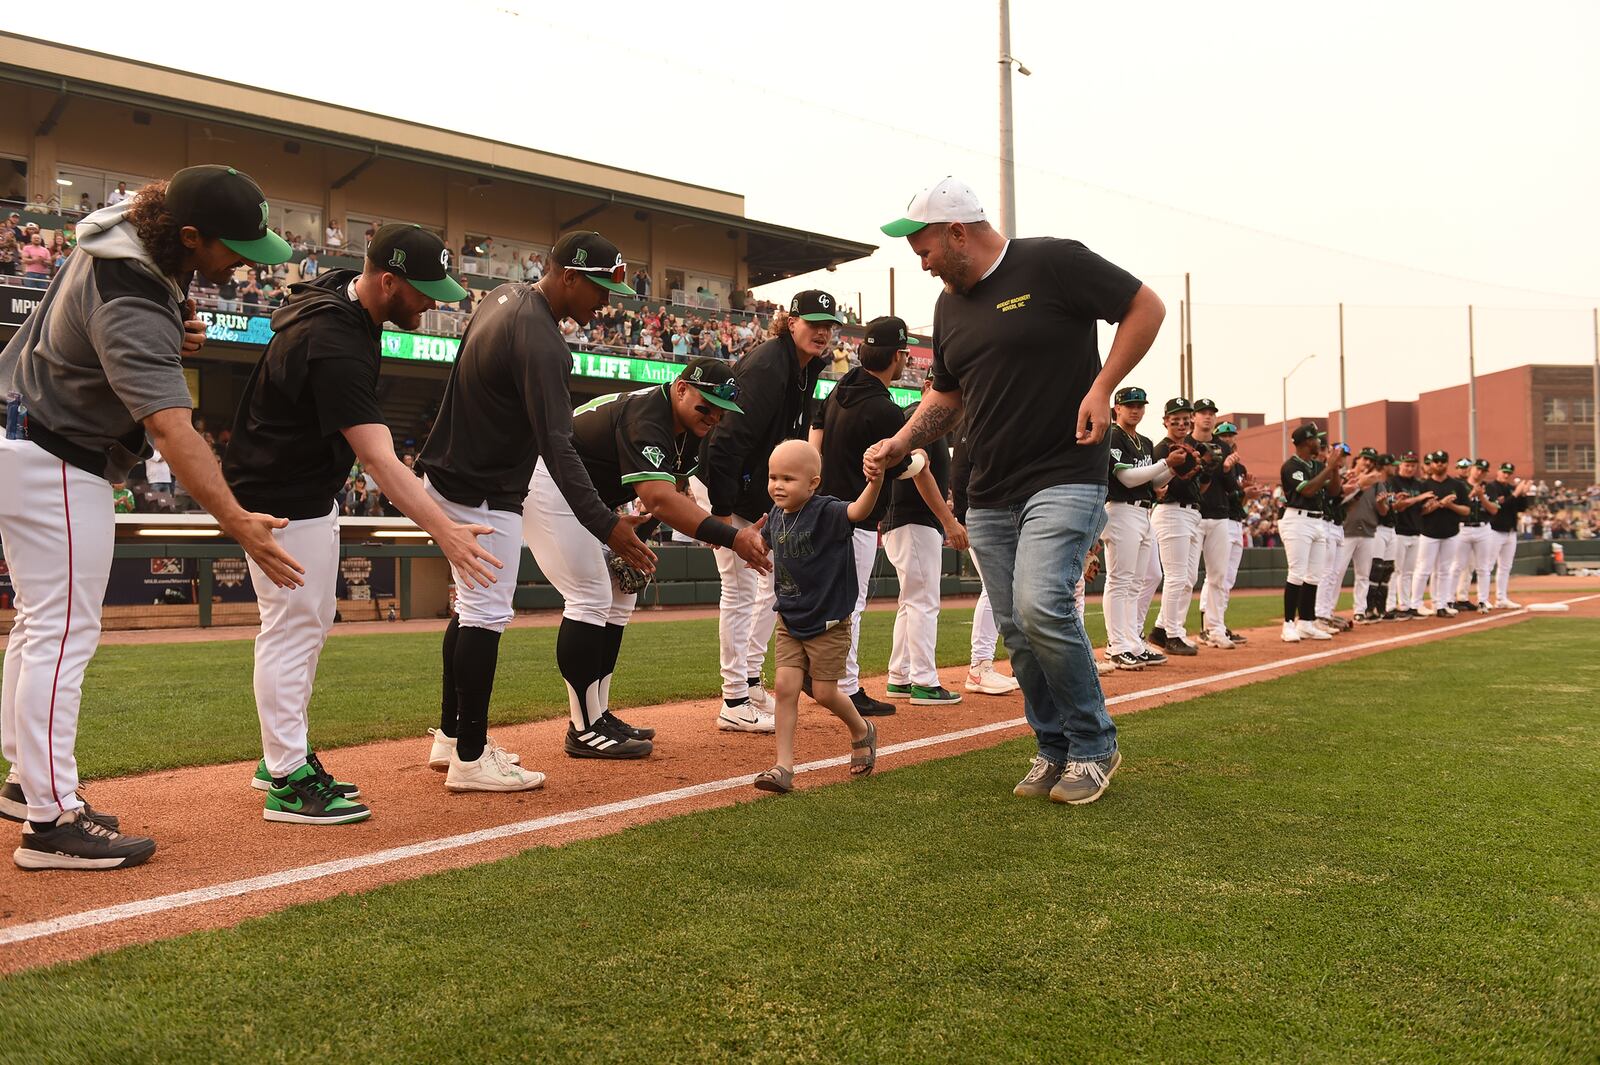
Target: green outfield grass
(1391,858)
(160,706)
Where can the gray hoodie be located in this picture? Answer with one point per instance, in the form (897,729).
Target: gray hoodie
(102,352)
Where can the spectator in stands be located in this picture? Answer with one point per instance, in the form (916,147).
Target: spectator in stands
(309,267)
(532,268)
(84,206)
(36,261)
(59,250)
(118,194)
(466,302)
(121,499)
(14,223)
(641,283)
(228,296)
(333,236)
(10,252)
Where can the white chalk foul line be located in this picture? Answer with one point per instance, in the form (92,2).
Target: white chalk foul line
(232,889)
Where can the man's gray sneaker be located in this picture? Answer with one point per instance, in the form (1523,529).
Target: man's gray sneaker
(1042,776)
(1083,782)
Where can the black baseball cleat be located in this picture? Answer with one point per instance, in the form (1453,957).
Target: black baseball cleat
(867,706)
(1157,637)
(631,731)
(78,842)
(1152,658)
(14,805)
(604,739)
(1391,615)
(1181,648)
(1236,637)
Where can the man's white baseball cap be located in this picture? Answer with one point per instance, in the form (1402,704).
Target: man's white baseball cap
(948,201)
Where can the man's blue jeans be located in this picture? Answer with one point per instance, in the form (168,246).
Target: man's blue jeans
(1032,556)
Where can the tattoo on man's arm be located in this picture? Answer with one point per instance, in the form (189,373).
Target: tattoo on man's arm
(931,422)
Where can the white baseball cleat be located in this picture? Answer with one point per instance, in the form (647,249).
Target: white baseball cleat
(745,719)
(1291,632)
(493,771)
(984,678)
(1310,630)
(445,746)
(761,700)
(1507,604)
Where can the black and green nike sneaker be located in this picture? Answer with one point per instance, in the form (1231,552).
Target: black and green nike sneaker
(310,798)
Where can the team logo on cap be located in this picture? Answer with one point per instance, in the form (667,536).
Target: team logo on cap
(264,213)
(697,373)
(444,258)
(580,257)
(398,259)
(823,299)
(655,455)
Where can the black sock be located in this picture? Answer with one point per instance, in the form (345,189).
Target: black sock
(477,651)
(42,826)
(1308,602)
(754,682)
(447,691)
(613,648)
(743,700)
(1291,600)
(581,651)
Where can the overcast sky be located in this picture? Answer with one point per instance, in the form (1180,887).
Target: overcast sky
(1406,158)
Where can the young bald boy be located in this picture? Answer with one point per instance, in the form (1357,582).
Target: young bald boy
(814,574)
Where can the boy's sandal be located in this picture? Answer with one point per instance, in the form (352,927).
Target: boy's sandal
(777,779)
(861,764)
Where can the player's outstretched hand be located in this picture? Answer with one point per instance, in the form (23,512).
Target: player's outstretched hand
(194,330)
(467,557)
(625,543)
(253,532)
(880,457)
(1094,416)
(748,545)
(955,534)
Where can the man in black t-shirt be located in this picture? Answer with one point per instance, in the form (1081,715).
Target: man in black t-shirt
(1511,496)
(1015,349)
(640,445)
(1410,495)
(309,410)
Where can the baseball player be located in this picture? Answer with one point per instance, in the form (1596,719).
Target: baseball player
(777,386)
(1410,496)
(1334,500)
(90,374)
(1383,547)
(1441,525)
(1304,480)
(915,529)
(1219,481)
(1129,542)
(1357,540)
(1176,525)
(1479,544)
(981,674)
(1511,495)
(1240,489)
(506,408)
(309,410)
(638,445)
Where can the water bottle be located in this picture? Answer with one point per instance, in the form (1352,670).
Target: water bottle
(16,417)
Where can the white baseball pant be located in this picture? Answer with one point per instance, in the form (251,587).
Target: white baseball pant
(985,633)
(1436,571)
(916,552)
(865,544)
(57,527)
(1216,547)
(1477,554)
(1129,545)
(491,607)
(1175,527)
(1358,551)
(1383,547)
(1149,582)
(1334,563)
(1505,558)
(1407,552)
(745,617)
(570,557)
(295,623)
(1236,546)
(1304,542)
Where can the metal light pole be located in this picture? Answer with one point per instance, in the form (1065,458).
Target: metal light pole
(1008,167)
(1188,340)
(1344,413)
(1594,474)
(1285,456)
(1472,388)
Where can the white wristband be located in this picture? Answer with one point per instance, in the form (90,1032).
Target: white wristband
(918,462)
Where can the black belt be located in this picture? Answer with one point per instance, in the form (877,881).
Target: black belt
(1472,524)
(1145,503)
(1177,503)
(1303,510)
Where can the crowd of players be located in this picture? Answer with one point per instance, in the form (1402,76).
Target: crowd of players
(792,493)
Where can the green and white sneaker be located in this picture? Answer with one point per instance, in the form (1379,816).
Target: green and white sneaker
(262,781)
(897,691)
(310,798)
(938,695)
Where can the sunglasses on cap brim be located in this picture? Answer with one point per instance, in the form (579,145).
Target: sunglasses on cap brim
(617,273)
(728,390)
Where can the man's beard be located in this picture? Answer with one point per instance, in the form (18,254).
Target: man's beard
(956,267)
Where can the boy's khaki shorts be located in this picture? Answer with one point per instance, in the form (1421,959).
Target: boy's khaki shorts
(822,656)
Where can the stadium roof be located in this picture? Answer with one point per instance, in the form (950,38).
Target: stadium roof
(774,251)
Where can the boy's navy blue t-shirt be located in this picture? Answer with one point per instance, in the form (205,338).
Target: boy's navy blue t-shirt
(813,565)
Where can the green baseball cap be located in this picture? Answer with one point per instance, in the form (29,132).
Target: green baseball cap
(714,378)
(815,305)
(948,201)
(594,257)
(418,256)
(223,203)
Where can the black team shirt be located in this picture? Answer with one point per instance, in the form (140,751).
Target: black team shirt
(1128,451)
(1296,472)
(1180,489)
(1408,522)
(287,454)
(627,438)
(1022,348)
(1444,522)
(906,505)
(858,413)
(1510,506)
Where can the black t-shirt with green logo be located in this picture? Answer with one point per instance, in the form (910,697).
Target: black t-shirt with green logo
(1022,347)
(627,437)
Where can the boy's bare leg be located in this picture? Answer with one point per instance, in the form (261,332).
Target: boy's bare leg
(826,692)
(786,689)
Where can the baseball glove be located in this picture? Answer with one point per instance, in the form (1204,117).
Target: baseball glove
(629,581)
